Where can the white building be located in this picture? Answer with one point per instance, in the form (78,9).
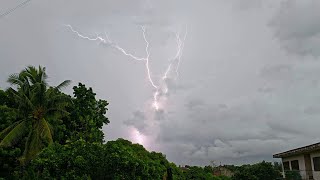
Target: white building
(305,159)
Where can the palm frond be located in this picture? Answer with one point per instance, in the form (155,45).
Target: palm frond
(32,147)
(38,138)
(27,101)
(14,135)
(5,132)
(45,131)
(14,80)
(57,99)
(54,111)
(51,129)
(35,75)
(38,93)
(63,84)
(11,91)
(42,75)
(21,100)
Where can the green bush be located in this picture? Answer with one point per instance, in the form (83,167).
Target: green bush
(118,159)
(293,175)
(260,171)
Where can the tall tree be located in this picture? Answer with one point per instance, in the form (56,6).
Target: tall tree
(35,102)
(87,115)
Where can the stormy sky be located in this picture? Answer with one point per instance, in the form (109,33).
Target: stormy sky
(248,83)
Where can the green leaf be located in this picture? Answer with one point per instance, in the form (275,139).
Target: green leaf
(32,147)
(45,131)
(63,84)
(7,130)
(14,135)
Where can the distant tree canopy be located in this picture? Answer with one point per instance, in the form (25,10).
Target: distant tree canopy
(260,171)
(118,159)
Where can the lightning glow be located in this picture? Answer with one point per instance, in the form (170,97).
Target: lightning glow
(137,136)
(174,63)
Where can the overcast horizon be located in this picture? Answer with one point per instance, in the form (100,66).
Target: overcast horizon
(248,81)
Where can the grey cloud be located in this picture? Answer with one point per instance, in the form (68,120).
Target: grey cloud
(283,128)
(194,103)
(248,131)
(160,115)
(312,110)
(265,89)
(138,120)
(247,4)
(296,25)
(280,71)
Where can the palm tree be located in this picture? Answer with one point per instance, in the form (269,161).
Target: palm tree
(35,102)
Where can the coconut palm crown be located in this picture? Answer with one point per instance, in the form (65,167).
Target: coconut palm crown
(34,102)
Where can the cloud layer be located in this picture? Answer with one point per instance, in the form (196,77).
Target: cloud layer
(248,83)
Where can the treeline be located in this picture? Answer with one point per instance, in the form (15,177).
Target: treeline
(47,134)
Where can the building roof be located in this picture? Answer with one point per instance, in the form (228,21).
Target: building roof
(300,150)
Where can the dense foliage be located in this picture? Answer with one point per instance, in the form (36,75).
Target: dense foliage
(86,117)
(47,134)
(206,173)
(114,160)
(293,175)
(259,171)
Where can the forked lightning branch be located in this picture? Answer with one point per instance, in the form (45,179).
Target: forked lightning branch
(172,70)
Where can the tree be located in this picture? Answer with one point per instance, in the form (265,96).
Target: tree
(87,116)
(118,159)
(7,115)
(244,175)
(34,103)
(8,156)
(208,169)
(132,161)
(74,160)
(265,171)
(277,166)
(195,172)
(260,171)
(293,175)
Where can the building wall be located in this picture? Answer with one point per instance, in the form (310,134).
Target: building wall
(302,167)
(316,174)
(308,164)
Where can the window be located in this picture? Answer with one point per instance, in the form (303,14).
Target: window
(286,166)
(316,163)
(295,165)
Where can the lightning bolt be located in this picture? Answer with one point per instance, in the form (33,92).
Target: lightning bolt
(174,62)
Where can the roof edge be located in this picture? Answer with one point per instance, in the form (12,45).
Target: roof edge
(304,149)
